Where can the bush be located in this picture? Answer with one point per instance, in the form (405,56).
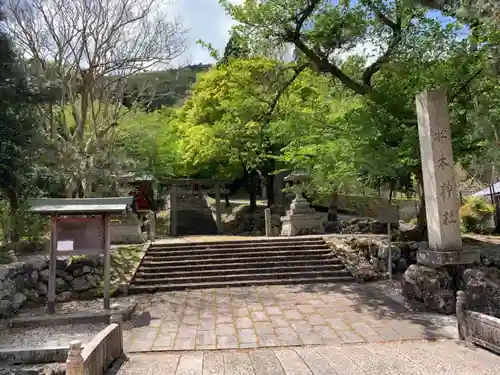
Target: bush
(31,227)
(475,213)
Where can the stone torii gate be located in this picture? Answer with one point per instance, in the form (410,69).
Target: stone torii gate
(175,183)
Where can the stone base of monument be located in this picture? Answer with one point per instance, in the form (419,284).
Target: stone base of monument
(302,219)
(436,278)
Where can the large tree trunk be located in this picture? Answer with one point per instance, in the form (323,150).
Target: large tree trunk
(333,208)
(252,189)
(271,198)
(11,196)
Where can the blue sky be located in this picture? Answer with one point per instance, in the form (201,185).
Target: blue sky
(206,20)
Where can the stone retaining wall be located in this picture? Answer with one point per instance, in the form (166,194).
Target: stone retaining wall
(27,282)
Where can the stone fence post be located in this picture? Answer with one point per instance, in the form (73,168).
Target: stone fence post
(461,318)
(268,222)
(116,317)
(74,362)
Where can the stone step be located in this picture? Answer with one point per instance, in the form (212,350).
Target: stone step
(133,289)
(260,258)
(244,253)
(238,243)
(151,274)
(220,265)
(235,250)
(238,277)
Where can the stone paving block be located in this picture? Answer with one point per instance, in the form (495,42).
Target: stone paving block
(339,361)
(243,322)
(142,339)
(248,345)
(227,342)
(273,310)
(190,364)
(292,363)
(264,362)
(338,324)
(327,313)
(225,329)
(287,305)
(169,326)
(292,315)
(402,364)
(259,316)
(363,329)
(187,331)
(369,364)
(255,307)
(314,361)
(237,364)
(268,340)
(205,324)
(226,318)
(190,320)
(207,314)
(301,326)
(279,321)
(242,311)
(185,343)
(316,320)
(262,327)
(310,339)
(388,334)
(164,341)
(306,309)
(350,337)
(206,340)
(247,335)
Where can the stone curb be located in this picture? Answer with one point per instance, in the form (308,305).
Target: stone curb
(77,318)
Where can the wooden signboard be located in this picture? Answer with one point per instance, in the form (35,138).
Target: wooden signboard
(80,236)
(389,215)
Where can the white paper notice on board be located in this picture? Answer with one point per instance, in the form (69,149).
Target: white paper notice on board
(64,245)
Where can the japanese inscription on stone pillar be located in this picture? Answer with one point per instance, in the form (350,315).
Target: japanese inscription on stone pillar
(441,198)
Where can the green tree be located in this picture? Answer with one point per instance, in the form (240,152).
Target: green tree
(239,114)
(18,128)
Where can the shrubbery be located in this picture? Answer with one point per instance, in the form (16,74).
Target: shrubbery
(475,213)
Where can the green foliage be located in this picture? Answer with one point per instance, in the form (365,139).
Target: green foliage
(475,212)
(18,125)
(31,228)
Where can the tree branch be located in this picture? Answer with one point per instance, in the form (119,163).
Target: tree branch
(395,40)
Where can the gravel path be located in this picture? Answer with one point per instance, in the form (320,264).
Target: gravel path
(47,336)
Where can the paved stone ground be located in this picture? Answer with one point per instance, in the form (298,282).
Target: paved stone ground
(408,358)
(276,316)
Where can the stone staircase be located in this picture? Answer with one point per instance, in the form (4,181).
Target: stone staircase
(194,216)
(237,263)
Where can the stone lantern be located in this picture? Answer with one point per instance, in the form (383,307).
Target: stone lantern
(300,218)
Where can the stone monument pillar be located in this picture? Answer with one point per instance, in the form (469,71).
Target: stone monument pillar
(433,280)
(441,197)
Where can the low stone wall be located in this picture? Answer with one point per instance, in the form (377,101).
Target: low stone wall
(480,329)
(101,351)
(371,206)
(24,283)
(367,257)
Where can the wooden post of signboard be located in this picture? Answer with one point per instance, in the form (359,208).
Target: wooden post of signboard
(107,261)
(51,294)
(389,215)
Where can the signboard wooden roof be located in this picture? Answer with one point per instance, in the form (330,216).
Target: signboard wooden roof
(80,206)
